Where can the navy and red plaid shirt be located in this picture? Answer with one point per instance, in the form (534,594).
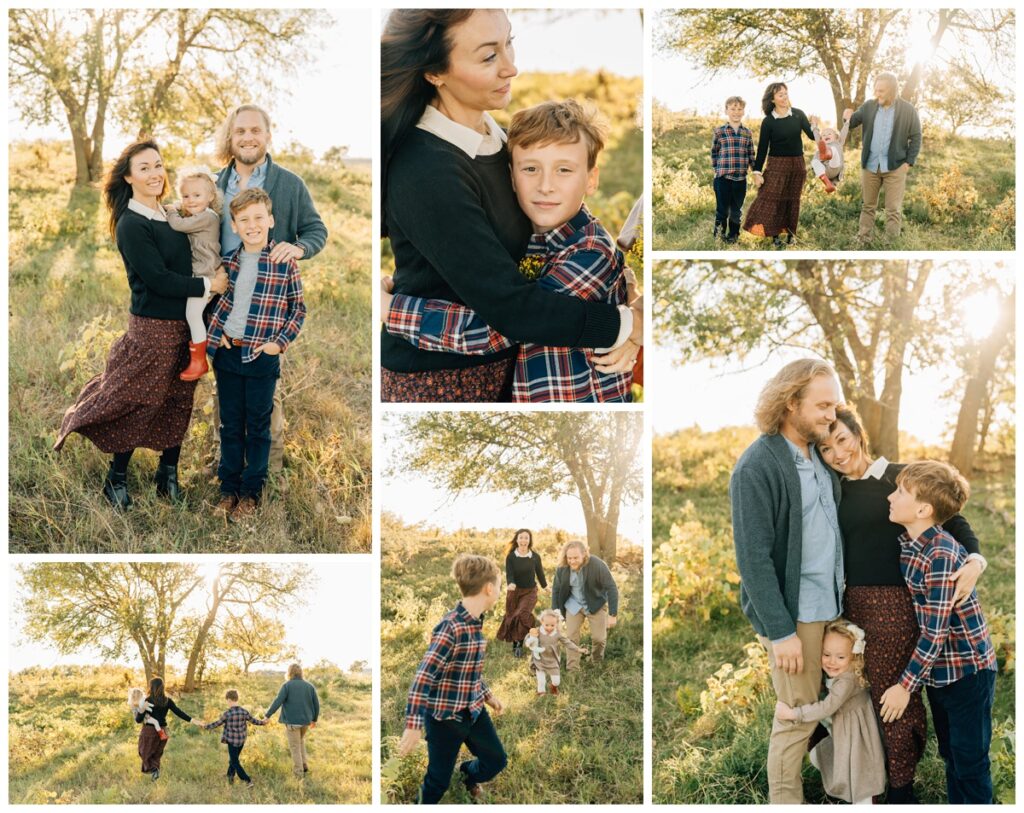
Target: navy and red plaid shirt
(277,310)
(449,679)
(235,721)
(732,152)
(954,641)
(580,259)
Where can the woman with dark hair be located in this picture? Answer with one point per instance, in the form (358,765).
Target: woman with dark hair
(139,399)
(523,570)
(776,209)
(448,206)
(877,599)
(151,746)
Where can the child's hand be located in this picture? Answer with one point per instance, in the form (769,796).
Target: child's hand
(270,348)
(894,703)
(410,739)
(848,114)
(784,711)
(758,180)
(225,341)
(496,705)
(584,650)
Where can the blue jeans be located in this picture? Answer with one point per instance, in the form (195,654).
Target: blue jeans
(445,739)
(246,402)
(234,765)
(962,714)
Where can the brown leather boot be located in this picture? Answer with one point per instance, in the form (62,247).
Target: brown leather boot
(829,186)
(197,366)
(244,511)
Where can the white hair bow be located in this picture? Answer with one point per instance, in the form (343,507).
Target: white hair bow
(858,635)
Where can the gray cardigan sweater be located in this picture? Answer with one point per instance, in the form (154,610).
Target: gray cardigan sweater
(298,702)
(599,588)
(905,143)
(767,526)
(296,219)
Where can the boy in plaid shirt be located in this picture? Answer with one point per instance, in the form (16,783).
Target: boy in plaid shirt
(954,657)
(259,315)
(448,695)
(554,148)
(235,721)
(732,156)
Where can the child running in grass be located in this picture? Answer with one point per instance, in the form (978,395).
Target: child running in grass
(851,759)
(236,727)
(448,695)
(545,643)
(198,216)
(139,705)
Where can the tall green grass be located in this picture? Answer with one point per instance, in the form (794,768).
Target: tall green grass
(69,300)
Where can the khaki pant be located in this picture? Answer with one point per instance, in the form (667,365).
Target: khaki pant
(788,742)
(276,462)
(297,745)
(598,635)
(894,184)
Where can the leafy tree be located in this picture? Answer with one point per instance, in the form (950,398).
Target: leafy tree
(591,457)
(960,94)
(255,638)
(358,667)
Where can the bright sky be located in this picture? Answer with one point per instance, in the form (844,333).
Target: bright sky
(340,590)
(415,500)
(726,390)
(302,113)
(681,85)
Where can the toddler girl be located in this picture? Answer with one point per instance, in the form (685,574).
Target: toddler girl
(544,642)
(851,758)
(198,216)
(137,703)
(828,159)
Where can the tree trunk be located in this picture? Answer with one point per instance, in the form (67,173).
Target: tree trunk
(986,420)
(83,153)
(601,536)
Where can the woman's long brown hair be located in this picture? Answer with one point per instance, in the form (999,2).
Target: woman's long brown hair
(116,191)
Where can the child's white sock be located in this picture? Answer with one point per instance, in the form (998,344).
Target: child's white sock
(194,307)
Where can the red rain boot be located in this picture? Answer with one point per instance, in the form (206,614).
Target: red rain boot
(829,186)
(553,689)
(162,734)
(824,152)
(197,366)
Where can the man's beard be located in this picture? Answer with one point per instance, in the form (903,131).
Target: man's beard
(809,431)
(250,162)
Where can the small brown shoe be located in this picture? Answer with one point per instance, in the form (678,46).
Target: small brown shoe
(244,511)
(553,689)
(225,506)
(475,791)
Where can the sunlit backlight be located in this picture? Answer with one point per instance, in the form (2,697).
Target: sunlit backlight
(980,312)
(919,42)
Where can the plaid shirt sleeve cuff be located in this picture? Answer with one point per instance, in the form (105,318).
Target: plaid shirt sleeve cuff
(415,722)
(404,317)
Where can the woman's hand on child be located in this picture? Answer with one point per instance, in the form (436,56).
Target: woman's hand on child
(219,283)
(619,360)
(894,703)
(966,578)
(270,348)
(784,712)
(410,739)
(285,252)
(387,285)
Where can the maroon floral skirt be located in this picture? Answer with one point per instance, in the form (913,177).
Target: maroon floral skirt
(776,209)
(519,604)
(151,749)
(886,614)
(138,399)
(486,382)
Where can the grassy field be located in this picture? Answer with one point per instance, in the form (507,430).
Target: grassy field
(68,302)
(584,746)
(960,195)
(73,741)
(716,753)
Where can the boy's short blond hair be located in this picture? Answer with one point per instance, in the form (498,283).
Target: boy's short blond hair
(232,695)
(559,123)
(735,100)
(247,198)
(938,484)
(473,573)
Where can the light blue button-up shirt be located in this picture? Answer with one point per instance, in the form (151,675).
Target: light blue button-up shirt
(576,601)
(881,136)
(229,241)
(821,558)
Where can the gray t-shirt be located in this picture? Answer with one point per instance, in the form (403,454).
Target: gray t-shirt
(245,284)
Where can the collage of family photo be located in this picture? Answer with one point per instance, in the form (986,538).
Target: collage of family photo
(535,406)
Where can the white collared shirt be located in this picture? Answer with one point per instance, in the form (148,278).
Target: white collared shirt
(145,211)
(775,113)
(465,138)
(527,555)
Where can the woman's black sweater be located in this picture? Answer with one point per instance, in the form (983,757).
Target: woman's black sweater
(457,234)
(159,713)
(159,265)
(524,572)
(871,542)
(781,137)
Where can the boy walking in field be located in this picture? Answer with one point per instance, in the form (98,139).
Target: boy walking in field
(257,318)
(448,695)
(235,721)
(554,148)
(954,657)
(732,156)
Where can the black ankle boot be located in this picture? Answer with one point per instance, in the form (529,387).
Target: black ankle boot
(902,795)
(167,483)
(115,489)
(719,230)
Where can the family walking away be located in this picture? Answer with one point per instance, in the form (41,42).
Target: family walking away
(505,285)
(448,698)
(254,219)
(297,701)
(863,570)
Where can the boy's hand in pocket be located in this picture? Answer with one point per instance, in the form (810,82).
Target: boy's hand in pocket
(270,348)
